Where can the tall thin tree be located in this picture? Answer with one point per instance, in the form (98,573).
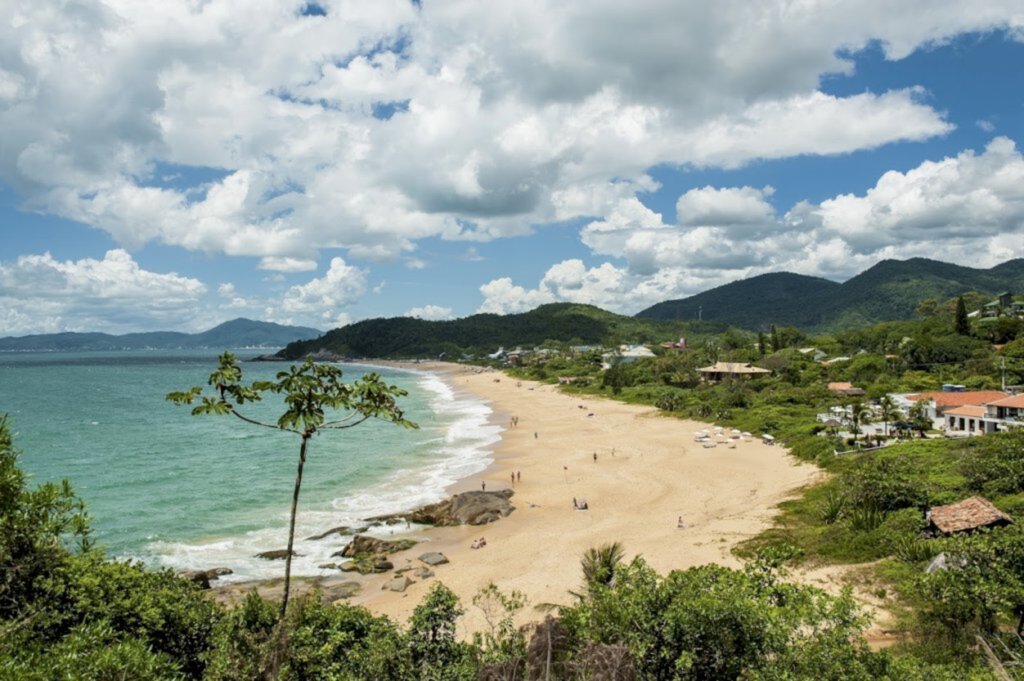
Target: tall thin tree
(311,391)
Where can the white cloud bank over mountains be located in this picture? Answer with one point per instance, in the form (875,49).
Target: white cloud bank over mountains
(970,206)
(386,122)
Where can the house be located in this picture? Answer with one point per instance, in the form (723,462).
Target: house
(679,345)
(939,402)
(965,516)
(969,419)
(991,417)
(842,388)
(1008,409)
(722,370)
(1004,304)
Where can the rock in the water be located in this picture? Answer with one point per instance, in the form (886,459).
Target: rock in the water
(338,591)
(362,544)
(467,508)
(434,558)
(350,566)
(214,573)
(340,529)
(279,554)
(198,576)
(383,566)
(328,566)
(398,584)
(424,573)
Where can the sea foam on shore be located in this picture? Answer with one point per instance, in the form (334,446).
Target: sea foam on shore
(455,445)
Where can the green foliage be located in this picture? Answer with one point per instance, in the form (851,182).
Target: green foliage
(884,484)
(502,646)
(435,651)
(599,565)
(994,465)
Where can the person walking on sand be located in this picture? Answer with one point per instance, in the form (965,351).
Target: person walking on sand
(513,479)
(575,506)
(595,457)
(519,476)
(483,485)
(534,435)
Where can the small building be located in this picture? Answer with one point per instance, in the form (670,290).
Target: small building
(966,516)
(626,354)
(722,370)
(969,419)
(1007,409)
(848,389)
(678,345)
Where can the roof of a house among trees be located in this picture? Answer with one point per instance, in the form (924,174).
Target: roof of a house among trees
(969,514)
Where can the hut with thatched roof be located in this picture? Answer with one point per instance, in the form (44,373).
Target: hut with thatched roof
(966,516)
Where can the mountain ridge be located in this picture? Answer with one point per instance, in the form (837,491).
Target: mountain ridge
(235,333)
(889,290)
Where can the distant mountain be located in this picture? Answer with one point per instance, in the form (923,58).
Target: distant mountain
(237,333)
(888,291)
(484,333)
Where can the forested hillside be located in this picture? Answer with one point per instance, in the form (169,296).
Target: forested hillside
(484,333)
(889,291)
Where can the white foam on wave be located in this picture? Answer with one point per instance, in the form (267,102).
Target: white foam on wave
(461,447)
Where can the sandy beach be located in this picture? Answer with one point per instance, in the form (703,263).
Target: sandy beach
(648,473)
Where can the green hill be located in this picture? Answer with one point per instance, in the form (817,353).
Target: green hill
(237,333)
(889,291)
(484,333)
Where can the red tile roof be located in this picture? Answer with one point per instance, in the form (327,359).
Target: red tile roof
(1015,402)
(968,514)
(970,410)
(840,386)
(945,400)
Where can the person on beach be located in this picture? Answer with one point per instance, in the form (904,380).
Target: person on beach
(513,479)
(595,457)
(574,504)
(534,435)
(483,486)
(680,524)
(519,476)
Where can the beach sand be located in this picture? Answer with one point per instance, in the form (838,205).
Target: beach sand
(649,472)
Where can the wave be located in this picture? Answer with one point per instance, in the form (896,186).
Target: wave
(459,446)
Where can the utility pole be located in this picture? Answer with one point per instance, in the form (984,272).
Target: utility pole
(1003,371)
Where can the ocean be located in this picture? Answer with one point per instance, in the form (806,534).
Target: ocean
(197,492)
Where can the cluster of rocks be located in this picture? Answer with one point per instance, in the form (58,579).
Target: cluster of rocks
(465,508)
(401,581)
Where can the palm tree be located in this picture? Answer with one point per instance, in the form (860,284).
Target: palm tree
(887,410)
(859,414)
(599,565)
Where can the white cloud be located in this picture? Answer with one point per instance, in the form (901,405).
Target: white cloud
(323,298)
(40,294)
(502,116)
(431,312)
(968,204)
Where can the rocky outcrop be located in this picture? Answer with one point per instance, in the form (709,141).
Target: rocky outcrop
(340,529)
(278,554)
(399,584)
(466,508)
(336,592)
(204,577)
(434,558)
(363,544)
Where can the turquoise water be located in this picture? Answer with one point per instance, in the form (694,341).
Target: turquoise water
(188,491)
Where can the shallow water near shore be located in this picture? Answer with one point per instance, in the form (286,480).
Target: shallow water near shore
(198,492)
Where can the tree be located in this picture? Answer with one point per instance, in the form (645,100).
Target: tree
(919,419)
(887,410)
(859,414)
(963,325)
(310,391)
(599,565)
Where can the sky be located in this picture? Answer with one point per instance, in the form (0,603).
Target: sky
(172,165)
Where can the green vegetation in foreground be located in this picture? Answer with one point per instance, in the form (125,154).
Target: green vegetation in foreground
(69,612)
